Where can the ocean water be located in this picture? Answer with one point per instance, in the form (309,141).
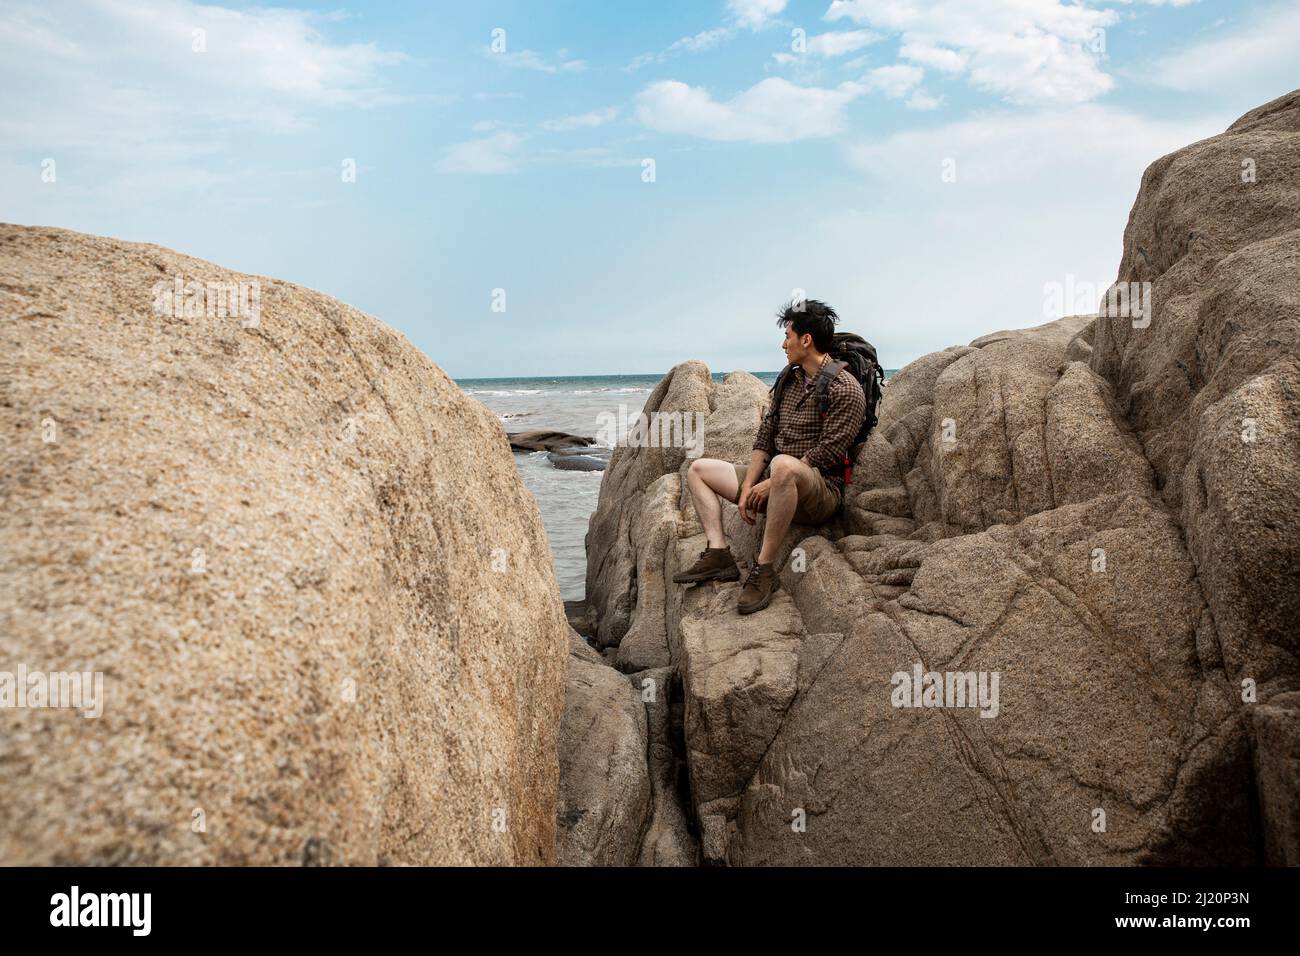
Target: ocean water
(566,499)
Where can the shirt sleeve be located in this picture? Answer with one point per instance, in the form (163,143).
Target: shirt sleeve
(844,416)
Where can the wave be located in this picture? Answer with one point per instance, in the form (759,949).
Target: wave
(594,391)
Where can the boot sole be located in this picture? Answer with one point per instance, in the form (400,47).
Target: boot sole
(722,574)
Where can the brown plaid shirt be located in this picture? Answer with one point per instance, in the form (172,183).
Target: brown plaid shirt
(802,431)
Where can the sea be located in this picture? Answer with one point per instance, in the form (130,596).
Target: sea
(566,403)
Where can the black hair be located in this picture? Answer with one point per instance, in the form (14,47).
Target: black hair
(811,317)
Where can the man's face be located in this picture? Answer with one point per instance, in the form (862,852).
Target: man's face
(795,350)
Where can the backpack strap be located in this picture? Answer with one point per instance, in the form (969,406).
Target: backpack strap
(778,390)
(825,378)
(822,388)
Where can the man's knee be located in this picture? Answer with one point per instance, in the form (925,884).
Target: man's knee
(785,469)
(707,471)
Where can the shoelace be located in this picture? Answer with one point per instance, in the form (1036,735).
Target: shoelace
(753,573)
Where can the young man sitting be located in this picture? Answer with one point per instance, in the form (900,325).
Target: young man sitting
(807,472)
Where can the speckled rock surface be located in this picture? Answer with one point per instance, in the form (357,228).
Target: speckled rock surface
(304,561)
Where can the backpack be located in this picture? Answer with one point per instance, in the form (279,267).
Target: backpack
(857,355)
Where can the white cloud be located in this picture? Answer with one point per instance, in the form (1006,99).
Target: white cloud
(1263,52)
(896,81)
(772,111)
(933,57)
(755,14)
(583,121)
(493,154)
(832,44)
(921,100)
(1047,155)
(704,40)
(125,79)
(1028,51)
(839,42)
(1038,195)
(532,60)
(745,14)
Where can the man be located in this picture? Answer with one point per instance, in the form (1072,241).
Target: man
(806,481)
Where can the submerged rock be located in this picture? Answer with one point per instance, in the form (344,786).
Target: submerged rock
(547,441)
(595,458)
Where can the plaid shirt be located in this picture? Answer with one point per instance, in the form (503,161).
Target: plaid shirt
(800,429)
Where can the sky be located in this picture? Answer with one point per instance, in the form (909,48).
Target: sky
(568,187)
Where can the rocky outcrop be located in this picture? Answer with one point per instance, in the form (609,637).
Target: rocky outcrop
(730,409)
(618,770)
(304,562)
(1212,385)
(1091,529)
(605,779)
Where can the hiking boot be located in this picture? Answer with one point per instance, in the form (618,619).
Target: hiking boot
(713,564)
(756,593)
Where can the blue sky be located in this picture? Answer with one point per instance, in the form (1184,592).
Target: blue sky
(796,145)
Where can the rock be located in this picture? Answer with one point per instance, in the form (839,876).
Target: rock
(1275,740)
(739,677)
(1212,384)
(618,769)
(279,545)
(668,840)
(547,441)
(611,557)
(569,459)
(605,792)
(645,645)
(579,617)
(1098,523)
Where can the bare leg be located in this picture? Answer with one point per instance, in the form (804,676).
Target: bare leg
(707,478)
(791,478)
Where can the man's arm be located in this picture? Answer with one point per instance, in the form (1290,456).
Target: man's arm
(757,462)
(847,408)
(764,449)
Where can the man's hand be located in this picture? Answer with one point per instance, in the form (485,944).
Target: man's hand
(753,500)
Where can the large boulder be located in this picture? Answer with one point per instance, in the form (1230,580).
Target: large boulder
(1097,522)
(727,411)
(303,560)
(1211,379)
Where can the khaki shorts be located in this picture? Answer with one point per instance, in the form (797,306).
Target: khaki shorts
(816,508)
